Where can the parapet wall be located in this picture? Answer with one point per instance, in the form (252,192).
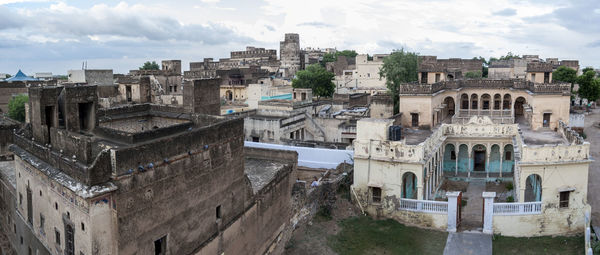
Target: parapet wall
(550,88)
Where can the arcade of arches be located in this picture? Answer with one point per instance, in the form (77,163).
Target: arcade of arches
(498,104)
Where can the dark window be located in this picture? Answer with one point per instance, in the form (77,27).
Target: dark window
(255,139)
(20,198)
(507,155)
(40,193)
(29,206)
(453,155)
(42,221)
(547,119)
(564,199)
(56,205)
(21,239)
(376,194)
(218,211)
(160,246)
(69,240)
(415,119)
(57,236)
(86,116)
(82,226)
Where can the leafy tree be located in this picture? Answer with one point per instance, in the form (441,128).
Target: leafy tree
(398,68)
(484,66)
(332,57)
(473,75)
(589,68)
(16,107)
(565,74)
(589,86)
(150,66)
(316,78)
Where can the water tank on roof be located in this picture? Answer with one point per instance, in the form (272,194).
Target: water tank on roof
(395,133)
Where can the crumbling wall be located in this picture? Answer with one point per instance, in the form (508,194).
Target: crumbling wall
(191,175)
(202,96)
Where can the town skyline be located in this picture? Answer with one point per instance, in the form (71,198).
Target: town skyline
(56,36)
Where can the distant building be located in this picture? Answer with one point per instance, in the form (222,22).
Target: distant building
(290,54)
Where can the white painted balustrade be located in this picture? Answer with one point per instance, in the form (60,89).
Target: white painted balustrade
(517,208)
(423,205)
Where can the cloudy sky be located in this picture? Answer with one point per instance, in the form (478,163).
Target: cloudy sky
(55,36)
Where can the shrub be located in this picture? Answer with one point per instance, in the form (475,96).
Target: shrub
(509,186)
(16,107)
(510,199)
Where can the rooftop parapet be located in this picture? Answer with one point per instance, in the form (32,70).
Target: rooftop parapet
(546,88)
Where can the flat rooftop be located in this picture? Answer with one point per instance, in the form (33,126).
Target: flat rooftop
(261,172)
(7,172)
(142,123)
(415,136)
(541,137)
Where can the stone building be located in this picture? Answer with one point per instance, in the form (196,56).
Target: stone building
(290,54)
(504,142)
(364,77)
(432,70)
(9,89)
(516,68)
(90,180)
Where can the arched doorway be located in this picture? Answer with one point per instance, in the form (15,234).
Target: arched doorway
(506,102)
(497,101)
(519,111)
(485,101)
(494,164)
(533,188)
(508,160)
(474,102)
(464,99)
(229,95)
(449,102)
(449,164)
(409,185)
(479,157)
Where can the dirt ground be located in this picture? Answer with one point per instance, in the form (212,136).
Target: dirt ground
(312,238)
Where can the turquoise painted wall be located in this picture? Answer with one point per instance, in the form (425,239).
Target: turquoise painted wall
(463,158)
(449,164)
(494,165)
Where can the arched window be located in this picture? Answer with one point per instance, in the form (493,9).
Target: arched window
(533,188)
(409,185)
(464,99)
(497,101)
(506,103)
(485,101)
(474,102)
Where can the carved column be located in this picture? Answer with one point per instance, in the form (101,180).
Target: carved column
(488,152)
(456,153)
(501,157)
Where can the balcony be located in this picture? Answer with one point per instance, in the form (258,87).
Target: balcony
(497,116)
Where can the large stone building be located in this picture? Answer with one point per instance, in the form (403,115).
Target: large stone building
(516,68)
(290,55)
(504,142)
(364,77)
(141,179)
(432,70)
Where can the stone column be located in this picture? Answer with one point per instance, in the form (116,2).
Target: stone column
(452,210)
(456,151)
(470,149)
(488,212)
(501,157)
(488,152)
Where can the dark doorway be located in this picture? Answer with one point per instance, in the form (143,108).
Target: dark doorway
(519,109)
(547,119)
(415,119)
(160,246)
(49,112)
(479,161)
(255,139)
(85,116)
(128,93)
(423,77)
(69,240)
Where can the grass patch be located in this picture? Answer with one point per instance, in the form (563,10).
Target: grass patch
(363,235)
(538,245)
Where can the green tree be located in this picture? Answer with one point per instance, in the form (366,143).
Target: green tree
(589,86)
(589,68)
(484,66)
(316,78)
(332,57)
(16,107)
(399,68)
(565,74)
(473,75)
(150,66)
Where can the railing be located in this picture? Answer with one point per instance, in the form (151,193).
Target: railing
(423,206)
(517,208)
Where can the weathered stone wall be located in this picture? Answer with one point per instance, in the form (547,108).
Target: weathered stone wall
(7,126)
(8,90)
(552,221)
(177,197)
(202,96)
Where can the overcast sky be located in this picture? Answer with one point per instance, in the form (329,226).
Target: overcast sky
(55,36)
